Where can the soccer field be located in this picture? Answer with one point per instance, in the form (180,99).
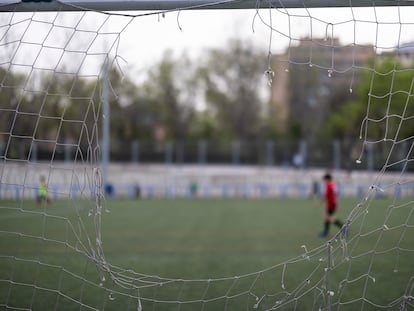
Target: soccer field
(245,247)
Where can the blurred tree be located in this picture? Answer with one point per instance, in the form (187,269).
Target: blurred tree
(204,126)
(234,89)
(135,109)
(12,100)
(345,123)
(386,102)
(383,112)
(171,89)
(10,97)
(123,96)
(389,93)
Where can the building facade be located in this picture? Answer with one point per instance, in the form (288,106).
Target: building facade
(311,80)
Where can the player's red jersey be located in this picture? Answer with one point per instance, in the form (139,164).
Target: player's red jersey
(330,196)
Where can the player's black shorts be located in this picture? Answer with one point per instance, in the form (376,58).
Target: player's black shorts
(330,212)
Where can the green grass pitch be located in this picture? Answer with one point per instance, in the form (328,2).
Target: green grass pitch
(190,239)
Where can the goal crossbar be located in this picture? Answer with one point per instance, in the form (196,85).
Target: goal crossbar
(142,5)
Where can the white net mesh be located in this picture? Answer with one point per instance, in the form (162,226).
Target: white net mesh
(51,84)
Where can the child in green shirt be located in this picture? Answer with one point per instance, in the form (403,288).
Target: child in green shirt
(42,192)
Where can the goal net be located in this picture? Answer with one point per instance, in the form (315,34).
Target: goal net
(54,85)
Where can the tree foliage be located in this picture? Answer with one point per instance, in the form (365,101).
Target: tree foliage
(170,89)
(233,84)
(222,96)
(384,107)
(390,101)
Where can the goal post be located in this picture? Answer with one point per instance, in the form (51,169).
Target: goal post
(139,5)
(57,73)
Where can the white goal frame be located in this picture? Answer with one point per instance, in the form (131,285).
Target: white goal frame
(137,5)
(328,269)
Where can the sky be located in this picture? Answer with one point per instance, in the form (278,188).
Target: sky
(145,39)
(192,32)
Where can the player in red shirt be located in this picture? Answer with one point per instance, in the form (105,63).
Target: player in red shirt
(331,201)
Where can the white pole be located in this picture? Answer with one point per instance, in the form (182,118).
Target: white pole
(175,5)
(105,124)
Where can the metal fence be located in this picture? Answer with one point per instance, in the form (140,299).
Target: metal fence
(301,154)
